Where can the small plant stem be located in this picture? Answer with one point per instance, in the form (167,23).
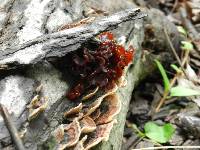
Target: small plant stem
(172,47)
(185,59)
(173,81)
(168,147)
(135,129)
(174,51)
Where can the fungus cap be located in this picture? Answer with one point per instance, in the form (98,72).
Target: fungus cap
(87,125)
(110,107)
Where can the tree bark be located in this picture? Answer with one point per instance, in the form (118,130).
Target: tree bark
(29,19)
(60,43)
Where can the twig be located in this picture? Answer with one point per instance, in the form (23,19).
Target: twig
(161,102)
(173,50)
(173,81)
(11,128)
(167,147)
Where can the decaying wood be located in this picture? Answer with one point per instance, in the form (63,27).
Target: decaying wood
(60,43)
(49,18)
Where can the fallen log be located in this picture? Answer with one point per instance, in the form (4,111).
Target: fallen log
(18,89)
(62,42)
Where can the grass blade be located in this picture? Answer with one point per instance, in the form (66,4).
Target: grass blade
(164,75)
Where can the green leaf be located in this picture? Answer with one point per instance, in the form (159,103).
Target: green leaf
(176,68)
(160,134)
(164,75)
(182,30)
(186,45)
(183,91)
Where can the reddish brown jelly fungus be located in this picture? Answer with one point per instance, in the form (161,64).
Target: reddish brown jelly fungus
(100,67)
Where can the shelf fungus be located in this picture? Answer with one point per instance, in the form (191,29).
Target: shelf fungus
(79,145)
(101,134)
(100,71)
(67,135)
(95,104)
(90,94)
(87,125)
(73,111)
(59,133)
(96,114)
(109,108)
(38,105)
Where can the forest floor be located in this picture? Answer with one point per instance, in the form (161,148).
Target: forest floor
(164,110)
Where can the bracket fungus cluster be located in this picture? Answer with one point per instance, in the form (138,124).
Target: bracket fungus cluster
(37,105)
(87,129)
(100,71)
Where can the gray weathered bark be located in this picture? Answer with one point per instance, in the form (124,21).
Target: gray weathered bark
(60,43)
